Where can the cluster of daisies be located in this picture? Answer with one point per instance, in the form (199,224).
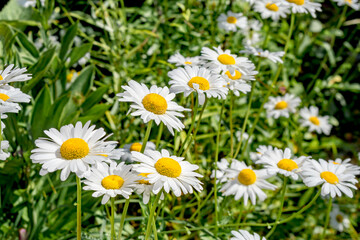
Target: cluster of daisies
(284,106)
(83,150)
(10,98)
(336,176)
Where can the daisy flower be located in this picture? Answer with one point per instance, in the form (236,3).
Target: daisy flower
(272,56)
(279,161)
(11,74)
(232,21)
(30,3)
(168,172)
(255,156)
(110,181)
(350,168)
(4,145)
(144,187)
(245,235)
(304,6)
(252,38)
(310,118)
(333,178)
(246,182)
(13,95)
(197,79)
(72,149)
(136,146)
(222,165)
(271,9)
(338,220)
(237,82)
(282,106)
(153,104)
(351,3)
(8,108)
(222,61)
(179,60)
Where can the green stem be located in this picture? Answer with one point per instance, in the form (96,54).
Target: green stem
(154,229)
(196,129)
(216,161)
(280,209)
(232,100)
(147,134)
(112,236)
(194,112)
(78,209)
(201,205)
(123,216)
(151,217)
(327,218)
(161,127)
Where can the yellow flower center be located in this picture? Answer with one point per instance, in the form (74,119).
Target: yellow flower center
(237,75)
(112,182)
(136,147)
(349,1)
(74,148)
(155,103)
(335,163)
(329,177)
(142,181)
(188,63)
(287,164)
(272,7)
(70,76)
(339,218)
(247,177)
(297,2)
(202,82)
(1,78)
(231,20)
(4,97)
(168,167)
(314,120)
(226,59)
(281,105)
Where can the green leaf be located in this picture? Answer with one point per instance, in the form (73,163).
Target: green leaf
(39,69)
(40,112)
(94,98)
(53,118)
(83,82)
(95,113)
(29,46)
(79,52)
(68,40)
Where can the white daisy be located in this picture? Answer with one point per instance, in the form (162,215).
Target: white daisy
(246,182)
(254,25)
(110,181)
(350,168)
(223,61)
(279,161)
(338,220)
(333,177)
(351,3)
(180,60)
(4,146)
(72,149)
(237,82)
(245,137)
(168,172)
(13,95)
(11,74)
(232,21)
(8,108)
(245,235)
(272,56)
(252,38)
(222,165)
(255,156)
(30,3)
(273,9)
(153,104)
(144,187)
(304,6)
(136,146)
(310,118)
(199,79)
(282,106)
